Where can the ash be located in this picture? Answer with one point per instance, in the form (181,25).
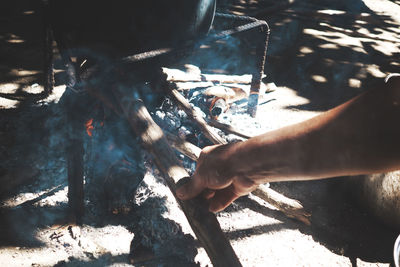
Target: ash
(131,217)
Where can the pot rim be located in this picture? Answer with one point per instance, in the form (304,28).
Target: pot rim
(396,252)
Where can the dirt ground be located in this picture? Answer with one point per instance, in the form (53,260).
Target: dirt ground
(320,54)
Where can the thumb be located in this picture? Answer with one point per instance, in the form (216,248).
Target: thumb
(190,189)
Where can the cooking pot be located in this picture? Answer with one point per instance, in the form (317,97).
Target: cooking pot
(130,26)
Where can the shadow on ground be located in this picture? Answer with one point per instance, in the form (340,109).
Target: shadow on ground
(326,57)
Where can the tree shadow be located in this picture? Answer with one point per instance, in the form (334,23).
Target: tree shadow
(338,222)
(328,57)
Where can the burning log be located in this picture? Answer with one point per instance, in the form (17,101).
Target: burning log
(290,207)
(195,116)
(204,223)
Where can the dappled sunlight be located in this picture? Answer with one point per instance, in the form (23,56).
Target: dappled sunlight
(14,39)
(306,50)
(387,49)
(340,39)
(54,96)
(8,103)
(375,71)
(9,88)
(329,46)
(50,197)
(320,54)
(319,78)
(331,12)
(33,89)
(29,12)
(355,83)
(22,72)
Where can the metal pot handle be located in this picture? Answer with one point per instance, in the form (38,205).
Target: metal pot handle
(396,252)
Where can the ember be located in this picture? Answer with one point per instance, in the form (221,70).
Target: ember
(89,127)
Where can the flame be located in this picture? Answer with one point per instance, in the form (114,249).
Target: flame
(89,127)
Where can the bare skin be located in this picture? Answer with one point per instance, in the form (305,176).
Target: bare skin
(361,136)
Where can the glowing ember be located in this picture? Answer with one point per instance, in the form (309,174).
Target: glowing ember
(89,127)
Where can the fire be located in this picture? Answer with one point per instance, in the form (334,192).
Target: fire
(89,127)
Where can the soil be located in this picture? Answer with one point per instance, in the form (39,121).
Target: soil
(320,54)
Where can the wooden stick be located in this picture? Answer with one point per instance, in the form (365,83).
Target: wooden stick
(181,101)
(284,204)
(204,223)
(175,75)
(186,148)
(290,207)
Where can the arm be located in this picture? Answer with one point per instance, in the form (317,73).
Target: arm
(360,136)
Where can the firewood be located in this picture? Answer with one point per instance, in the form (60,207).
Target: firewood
(204,223)
(182,102)
(229,94)
(276,199)
(175,75)
(188,149)
(182,86)
(290,207)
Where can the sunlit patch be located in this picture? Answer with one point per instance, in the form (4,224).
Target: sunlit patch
(20,73)
(55,95)
(203,46)
(15,41)
(386,48)
(329,46)
(362,22)
(339,38)
(393,29)
(8,103)
(55,199)
(319,78)
(364,31)
(28,12)
(355,83)
(33,89)
(331,12)
(8,88)
(306,50)
(359,50)
(375,71)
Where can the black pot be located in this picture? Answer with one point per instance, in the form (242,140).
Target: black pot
(130,26)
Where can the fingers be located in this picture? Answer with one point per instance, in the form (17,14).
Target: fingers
(222,199)
(191,189)
(208,193)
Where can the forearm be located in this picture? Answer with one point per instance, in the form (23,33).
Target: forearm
(361,136)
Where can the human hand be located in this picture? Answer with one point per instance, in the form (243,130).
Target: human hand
(216,179)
